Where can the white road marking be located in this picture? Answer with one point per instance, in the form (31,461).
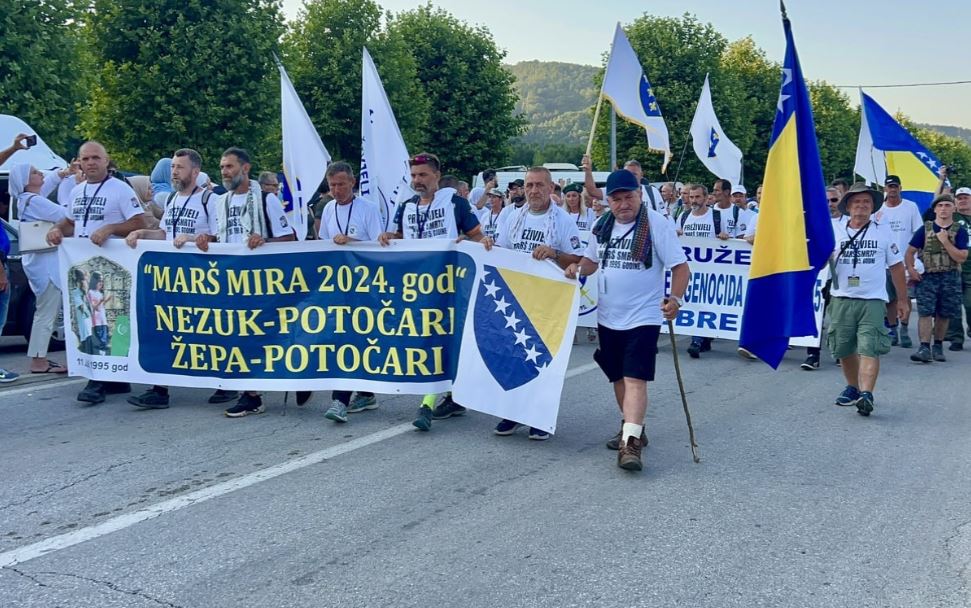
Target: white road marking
(63,541)
(40,386)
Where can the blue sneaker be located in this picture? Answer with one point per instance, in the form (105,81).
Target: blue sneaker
(7,376)
(506,427)
(538,435)
(865,404)
(849,396)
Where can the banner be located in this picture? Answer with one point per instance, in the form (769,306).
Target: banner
(414,318)
(715,297)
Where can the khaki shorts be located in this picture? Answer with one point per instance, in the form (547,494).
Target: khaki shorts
(856,328)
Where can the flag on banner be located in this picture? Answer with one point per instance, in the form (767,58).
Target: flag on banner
(714,149)
(795,236)
(305,158)
(886,147)
(385,173)
(626,86)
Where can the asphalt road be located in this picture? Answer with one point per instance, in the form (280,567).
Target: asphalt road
(796,502)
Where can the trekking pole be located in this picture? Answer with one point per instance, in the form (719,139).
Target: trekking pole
(684,397)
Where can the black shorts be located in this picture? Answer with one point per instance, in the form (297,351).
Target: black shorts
(628,353)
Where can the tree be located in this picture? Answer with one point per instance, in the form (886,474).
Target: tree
(951,151)
(184,73)
(322,54)
(39,77)
(837,126)
(471,98)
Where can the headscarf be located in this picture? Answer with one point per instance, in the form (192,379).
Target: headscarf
(18,178)
(142,187)
(202,180)
(162,176)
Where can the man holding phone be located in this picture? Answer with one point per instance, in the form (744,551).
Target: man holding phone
(21,142)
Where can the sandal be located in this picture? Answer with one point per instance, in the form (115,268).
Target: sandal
(53,367)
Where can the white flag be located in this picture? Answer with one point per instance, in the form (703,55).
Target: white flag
(714,149)
(627,88)
(385,172)
(305,158)
(870,163)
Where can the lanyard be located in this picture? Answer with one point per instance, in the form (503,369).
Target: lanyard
(178,218)
(337,217)
(617,241)
(89,201)
(852,244)
(418,217)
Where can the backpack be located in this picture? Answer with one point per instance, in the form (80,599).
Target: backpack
(457,207)
(206,195)
(718,218)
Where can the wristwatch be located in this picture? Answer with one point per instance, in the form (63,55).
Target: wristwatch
(677,300)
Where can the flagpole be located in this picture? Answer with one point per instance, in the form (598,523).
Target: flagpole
(677,171)
(593,129)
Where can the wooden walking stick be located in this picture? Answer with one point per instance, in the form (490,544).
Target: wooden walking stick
(684,397)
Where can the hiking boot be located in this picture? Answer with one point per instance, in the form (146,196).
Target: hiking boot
(849,396)
(614,442)
(361,402)
(694,349)
(923,355)
(905,340)
(538,434)
(150,400)
(116,388)
(303,397)
(221,396)
(506,427)
(423,422)
(7,376)
(447,408)
(894,340)
(336,412)
(705,344)
(937,351)
(93,393)
(811,363)
(955,347)
(629,455)
(247,404)
(865,404)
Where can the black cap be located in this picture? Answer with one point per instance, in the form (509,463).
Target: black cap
(621,180)
(892,180)
(517,182)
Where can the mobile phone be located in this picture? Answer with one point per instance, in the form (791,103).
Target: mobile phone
(30,141)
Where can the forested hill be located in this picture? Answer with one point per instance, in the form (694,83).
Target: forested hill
(555,98)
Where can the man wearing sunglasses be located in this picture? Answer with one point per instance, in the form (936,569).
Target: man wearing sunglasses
(902,218)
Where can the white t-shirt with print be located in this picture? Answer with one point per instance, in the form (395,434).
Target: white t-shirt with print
(238,230)
(630,294)
(525,231)
(746,221)
(698,225)
(489,221)
(586,221)
(188,215)
(902,221)
(874,251)
(436,220)
(359,220)
(115,203)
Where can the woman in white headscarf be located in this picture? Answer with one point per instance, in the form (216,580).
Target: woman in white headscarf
(28,189)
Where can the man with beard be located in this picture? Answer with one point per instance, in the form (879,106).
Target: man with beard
(433,213)
(187,214)
(245,214)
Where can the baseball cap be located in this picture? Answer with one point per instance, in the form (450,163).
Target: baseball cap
(961,191)
(620,181)
(739,190)
(516,182)
(892,180)
(496,192)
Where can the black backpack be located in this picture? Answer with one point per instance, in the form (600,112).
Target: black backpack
(718,218)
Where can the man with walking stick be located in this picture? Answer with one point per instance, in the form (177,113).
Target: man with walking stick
(632,246)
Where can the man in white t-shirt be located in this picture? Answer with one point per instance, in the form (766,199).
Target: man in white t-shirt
(546,232)
(731,221)
(902,218)
(346,219)
(857,335)
(186,214)
(700,221)
(101,208)
(245,214)
(433,213)
(632,247)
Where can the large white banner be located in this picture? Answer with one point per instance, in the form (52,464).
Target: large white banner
(415,317)
(716,291)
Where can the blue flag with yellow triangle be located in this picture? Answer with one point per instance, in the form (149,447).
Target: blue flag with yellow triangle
(795,237)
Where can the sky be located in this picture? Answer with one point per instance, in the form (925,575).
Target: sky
(848,42)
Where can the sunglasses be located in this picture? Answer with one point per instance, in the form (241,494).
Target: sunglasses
(424,159)
(834,200)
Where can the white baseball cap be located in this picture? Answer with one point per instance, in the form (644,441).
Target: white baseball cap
(963,191)
(739,190)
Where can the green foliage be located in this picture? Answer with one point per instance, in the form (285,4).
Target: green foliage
(951,151)
(555,99)
(957,132)
(322,53)
(40,79)
(177,73)
(470,120)
(837,127)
